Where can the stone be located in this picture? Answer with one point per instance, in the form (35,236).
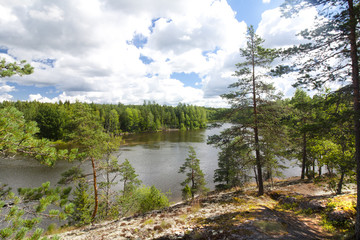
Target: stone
(315,205)
(339,216)
(157,228)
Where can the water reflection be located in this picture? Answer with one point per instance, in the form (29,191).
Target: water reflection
(156,158)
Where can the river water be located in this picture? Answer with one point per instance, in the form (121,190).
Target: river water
(156,158)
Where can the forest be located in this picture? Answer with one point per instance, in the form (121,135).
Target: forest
(53,119)
(320,129)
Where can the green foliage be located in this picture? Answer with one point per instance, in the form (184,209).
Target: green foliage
(128,176)
(302,127)
(56,121)
(71,175)
(141,200)
(9,69)
(51,121)
(186,192)
(316,62)
(233,162)
(194,175)
(18,137)
(115,173)
(257,137)
(340,213)
(87,132)
(21,216)
(151,198)
(83,204)
(331,55)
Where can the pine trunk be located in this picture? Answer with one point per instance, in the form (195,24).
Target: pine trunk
(256,129)
(355,82)
(95,190)
(192,183)
(340,184)
(303,167)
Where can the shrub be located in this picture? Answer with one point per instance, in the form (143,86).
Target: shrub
(151,198)
(141,200)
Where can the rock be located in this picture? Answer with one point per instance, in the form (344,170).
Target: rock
(128,235)
(314,205)
(288,199)
(339,216)
(157,228)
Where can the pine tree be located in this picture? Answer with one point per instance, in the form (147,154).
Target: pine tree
(300,125)
(128,176)
(251,92)
(83,204)
(194,175)
(89,134)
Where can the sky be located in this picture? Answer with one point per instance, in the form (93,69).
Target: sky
(131,51)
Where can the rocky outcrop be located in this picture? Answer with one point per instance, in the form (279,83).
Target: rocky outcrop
(221,215)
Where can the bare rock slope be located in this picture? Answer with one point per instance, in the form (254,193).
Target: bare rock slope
(226,215)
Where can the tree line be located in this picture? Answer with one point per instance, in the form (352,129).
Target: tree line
(53,119)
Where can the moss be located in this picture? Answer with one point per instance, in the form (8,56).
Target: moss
(307,211)
(239,201)
(327,225)
(149,221)
(339,214)
(271,227)
(165,225)
(290,206)
(183,217)
(346,203)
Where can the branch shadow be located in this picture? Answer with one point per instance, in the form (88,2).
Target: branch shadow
(260,223)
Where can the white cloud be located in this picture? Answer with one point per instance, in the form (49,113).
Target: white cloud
(266,1)
(4,92)
(48,13)
(282,32)
(6,89)
(93,60)
(5,97)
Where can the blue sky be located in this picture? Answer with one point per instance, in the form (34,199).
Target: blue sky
(250,10)
(128,51)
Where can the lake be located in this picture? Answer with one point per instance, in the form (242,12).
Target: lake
(156,158)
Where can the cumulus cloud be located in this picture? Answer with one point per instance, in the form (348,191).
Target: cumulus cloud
(4,92)
(94,50)
(282,32)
